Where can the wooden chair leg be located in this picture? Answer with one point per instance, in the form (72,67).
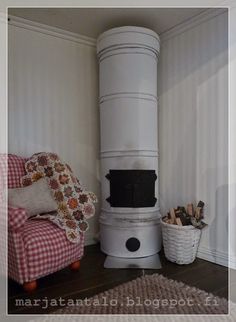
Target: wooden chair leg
(75,266)
(30,286)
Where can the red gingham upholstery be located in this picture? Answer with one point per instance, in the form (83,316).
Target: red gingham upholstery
(3,212)
(17,260)
(57,253)
(3,175)
(16,170)
(16,218)
(36,247)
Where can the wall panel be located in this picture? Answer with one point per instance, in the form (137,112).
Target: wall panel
(193,127)
(53,90)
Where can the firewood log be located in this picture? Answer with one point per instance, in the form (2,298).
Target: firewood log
(190,210)
(172,216)
(165,219)
(198,213)
(185,219)
(182,209)
(201,225)
(186,216)
(178,221)
(200,204)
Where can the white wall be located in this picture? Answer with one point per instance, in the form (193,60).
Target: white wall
(53,91)
(49,73)
(193,125)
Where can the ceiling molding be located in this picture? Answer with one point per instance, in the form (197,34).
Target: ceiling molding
(89,41)
(191,23)
(49,30)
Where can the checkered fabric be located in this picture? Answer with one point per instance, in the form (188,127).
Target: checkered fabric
(3,211)
(17,260)
(3,175)
(47,248)
(16,170)
(3,180)
(16,218)
(36,247)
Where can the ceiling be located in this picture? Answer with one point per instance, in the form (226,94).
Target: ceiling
(93,21)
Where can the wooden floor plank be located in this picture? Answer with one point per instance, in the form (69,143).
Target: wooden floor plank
(93,278)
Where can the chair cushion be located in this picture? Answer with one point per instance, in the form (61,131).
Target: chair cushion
(16,170)
(36,198)
(47,248)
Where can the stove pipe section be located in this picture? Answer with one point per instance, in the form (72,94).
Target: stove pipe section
(130,216)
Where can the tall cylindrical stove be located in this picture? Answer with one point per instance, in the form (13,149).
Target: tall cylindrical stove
(130,216)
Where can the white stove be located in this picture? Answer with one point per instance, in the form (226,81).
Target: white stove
(130,215)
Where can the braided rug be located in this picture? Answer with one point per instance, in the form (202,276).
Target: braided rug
(150,294)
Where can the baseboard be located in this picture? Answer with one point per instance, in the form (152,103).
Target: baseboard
(232,262)
(214,256)
(211,255)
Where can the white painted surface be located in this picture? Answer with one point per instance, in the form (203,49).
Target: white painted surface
(53,102)
(113,240)
(232,150)
(93,21)
(128,123)
(142,63)
(117,115)
(193,127)
(149,262)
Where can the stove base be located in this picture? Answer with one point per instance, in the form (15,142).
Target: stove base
(130,240)
(149,262)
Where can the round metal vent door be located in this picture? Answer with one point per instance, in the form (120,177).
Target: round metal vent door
(132,244)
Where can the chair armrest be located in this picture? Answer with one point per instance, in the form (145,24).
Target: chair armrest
(16,217)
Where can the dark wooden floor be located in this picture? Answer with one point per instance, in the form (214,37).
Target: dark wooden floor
(92,278)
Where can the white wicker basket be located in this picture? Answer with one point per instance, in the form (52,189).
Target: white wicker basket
(180,242)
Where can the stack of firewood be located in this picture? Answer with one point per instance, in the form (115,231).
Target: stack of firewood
(186,216)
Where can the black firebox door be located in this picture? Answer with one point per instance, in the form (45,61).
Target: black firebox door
(132,188)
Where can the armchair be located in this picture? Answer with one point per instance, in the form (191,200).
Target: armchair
(36,247)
